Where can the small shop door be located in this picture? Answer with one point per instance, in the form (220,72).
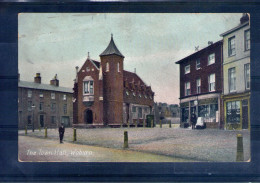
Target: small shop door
(245,119)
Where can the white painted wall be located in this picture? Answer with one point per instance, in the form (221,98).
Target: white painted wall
(238,61)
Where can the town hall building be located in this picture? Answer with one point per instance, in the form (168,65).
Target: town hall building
(107,95)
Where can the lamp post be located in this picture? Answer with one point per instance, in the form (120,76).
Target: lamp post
(33,107)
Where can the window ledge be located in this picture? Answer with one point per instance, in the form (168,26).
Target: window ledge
(231,55)
(211,64)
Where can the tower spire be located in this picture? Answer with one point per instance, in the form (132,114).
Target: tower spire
(111,49)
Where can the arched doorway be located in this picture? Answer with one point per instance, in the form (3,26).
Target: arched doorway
(88,116)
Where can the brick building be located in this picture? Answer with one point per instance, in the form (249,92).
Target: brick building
(201,85)
(107,95)
(44,105)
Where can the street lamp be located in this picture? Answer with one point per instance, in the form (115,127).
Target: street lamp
(33,107)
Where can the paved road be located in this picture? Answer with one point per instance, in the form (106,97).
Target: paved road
(33,149)
(211,145)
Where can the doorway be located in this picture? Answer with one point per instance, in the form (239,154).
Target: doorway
(88,116)
(245,114)
(42,120)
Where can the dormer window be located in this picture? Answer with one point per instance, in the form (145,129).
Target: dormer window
(87,69)
(134,94)
(145,96)
(107,67)
(127,93)
(140,95)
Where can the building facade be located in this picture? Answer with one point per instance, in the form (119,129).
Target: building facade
(201,85)
(236,75)
(44,105)
(107,95)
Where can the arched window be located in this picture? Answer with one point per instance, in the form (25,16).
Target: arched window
(107,67)
(88,85)
(118,67)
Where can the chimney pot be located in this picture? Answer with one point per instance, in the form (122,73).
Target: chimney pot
(37,78)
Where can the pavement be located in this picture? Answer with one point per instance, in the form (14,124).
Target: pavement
(208,145)
(33,149)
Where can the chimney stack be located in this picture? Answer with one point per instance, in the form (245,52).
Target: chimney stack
(55,81)
(244,18)
(37,78)
(135,70)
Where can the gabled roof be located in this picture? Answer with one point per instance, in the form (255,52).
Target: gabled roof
(234,29)
(111,49)
(198,52)
(38,86)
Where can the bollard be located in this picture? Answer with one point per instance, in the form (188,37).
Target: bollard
(45,132)
(25,130)
(136,124)
(170,123)
(240,152)
(160,123)
(128,124)
(39,128)
(125,139)
(74,134)
(144,123)
(152,124)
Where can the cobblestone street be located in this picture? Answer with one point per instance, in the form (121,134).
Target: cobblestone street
(193,145)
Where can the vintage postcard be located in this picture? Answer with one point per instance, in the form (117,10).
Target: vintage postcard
(134,87)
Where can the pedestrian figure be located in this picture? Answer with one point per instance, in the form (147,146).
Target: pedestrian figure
(193,120)
(61,132)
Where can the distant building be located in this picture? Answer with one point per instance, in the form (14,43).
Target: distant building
(201,85)
(44,105)
(236,75)
(107,95)
(164,110)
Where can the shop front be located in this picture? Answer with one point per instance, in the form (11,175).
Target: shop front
(237,115)
(206,106)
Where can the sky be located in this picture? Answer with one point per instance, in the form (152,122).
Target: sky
(55,43)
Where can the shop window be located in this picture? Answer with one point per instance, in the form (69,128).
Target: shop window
(185,114)
(233,112)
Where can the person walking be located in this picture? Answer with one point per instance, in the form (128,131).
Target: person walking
(61,132)
(193,120)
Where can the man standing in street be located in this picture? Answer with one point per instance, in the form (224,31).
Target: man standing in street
(61,132)
(193,120)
